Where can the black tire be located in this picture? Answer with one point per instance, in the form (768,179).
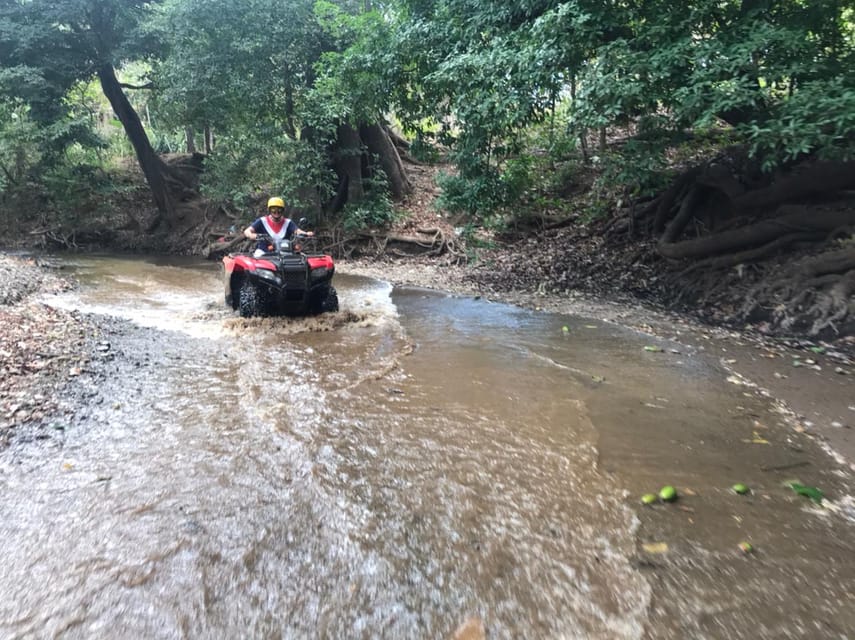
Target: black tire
(250,303)
(324,301)
(330,302)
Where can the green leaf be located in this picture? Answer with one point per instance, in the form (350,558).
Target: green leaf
(808,492)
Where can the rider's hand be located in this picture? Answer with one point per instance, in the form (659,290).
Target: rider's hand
(308,234)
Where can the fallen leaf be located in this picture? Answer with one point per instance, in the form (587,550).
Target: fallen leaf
(808,492)
(655,547)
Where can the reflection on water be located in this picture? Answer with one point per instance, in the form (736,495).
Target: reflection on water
(395,468)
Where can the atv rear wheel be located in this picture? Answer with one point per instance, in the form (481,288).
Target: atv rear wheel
(250,301)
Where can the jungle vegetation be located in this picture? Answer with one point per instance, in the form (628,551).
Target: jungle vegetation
(720,131)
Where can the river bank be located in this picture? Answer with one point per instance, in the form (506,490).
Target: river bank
(42,349)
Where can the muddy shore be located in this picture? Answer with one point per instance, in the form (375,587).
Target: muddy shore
(43,350)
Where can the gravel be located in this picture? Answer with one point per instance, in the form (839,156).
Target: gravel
(41,348)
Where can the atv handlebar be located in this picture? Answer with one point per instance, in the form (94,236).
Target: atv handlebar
(295,239)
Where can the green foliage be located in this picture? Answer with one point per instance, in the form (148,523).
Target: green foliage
(244,168)
(795,129)
(376,210)
(50,52)
(70,189)
(776,72)
(20,144)
(359,71)
(472,195)
(424,151)
(47,47)
(480,188)
(237,65)
(275,79)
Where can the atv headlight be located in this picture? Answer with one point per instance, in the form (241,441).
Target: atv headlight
(269,276)
(319,273)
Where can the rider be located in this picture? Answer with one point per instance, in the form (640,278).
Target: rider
(275,225)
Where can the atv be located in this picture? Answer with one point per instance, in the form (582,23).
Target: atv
(283,281)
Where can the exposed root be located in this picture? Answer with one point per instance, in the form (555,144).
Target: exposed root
(814,295)
(430,242)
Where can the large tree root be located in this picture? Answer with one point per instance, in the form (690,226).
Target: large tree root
(741,246)
(791,219)
(814,295)
(428,242)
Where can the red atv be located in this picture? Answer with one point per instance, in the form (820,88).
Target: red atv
(283,281)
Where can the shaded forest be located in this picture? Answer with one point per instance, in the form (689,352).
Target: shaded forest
(698,156)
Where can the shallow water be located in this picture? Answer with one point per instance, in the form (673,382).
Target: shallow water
(393,469)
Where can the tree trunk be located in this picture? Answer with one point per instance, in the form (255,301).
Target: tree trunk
(191,143)
(209,139)
(377,141)
(348,162)
(153,168)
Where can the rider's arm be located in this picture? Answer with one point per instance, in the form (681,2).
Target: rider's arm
(251,232)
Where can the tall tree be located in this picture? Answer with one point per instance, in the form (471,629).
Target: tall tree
(266,74)
(48,45)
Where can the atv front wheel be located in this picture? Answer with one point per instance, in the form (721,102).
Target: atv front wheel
(325,301)
(249,301)
(330,303)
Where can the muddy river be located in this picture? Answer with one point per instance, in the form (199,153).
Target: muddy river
(402,466)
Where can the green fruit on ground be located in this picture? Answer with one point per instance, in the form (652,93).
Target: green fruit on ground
(668,493)
(740,488)
(746,547)
(648,498)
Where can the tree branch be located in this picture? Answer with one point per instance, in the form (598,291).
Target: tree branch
(127,85)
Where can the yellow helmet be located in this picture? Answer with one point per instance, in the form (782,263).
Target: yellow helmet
(276,202)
